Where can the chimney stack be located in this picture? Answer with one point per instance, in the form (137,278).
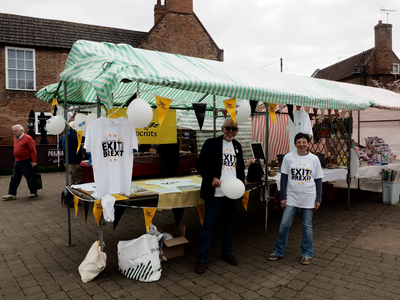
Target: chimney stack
(383,36)
(179,6)
(159,10)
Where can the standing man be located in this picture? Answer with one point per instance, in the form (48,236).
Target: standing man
(74,158)
(221,158)
(25,159)
(301,188)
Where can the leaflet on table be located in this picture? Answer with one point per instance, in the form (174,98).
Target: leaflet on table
(167,190)
(178,184)
(89,187)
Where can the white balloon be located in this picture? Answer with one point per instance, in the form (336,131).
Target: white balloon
(55,125)
(80,122)
(243,111)
(90,118)
(60,111)
(139,113)
(233,188)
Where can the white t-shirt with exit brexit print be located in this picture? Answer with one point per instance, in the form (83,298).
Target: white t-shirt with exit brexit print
(301,171)
(111,143)
(229,161)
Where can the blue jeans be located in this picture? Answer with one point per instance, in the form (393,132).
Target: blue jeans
(307,240)
(22,167)
(212,209)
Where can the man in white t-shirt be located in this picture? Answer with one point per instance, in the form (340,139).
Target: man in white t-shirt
(221,158)
(301,188)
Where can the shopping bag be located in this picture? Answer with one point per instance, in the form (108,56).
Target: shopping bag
(36,180)
(139,259)
(93,264)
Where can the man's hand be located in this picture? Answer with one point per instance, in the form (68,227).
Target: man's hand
(216,182)
(34,164)
(283,204)
(316,205)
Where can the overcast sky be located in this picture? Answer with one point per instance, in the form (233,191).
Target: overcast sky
(307,34)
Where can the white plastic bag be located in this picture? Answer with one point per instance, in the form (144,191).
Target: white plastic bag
(139,259)
(93,264)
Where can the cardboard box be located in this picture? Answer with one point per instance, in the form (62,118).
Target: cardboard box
(174,247)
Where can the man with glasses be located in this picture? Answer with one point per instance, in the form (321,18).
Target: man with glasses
(221,158)
(25,159)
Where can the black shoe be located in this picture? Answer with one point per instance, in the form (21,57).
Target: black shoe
(200,267)
(230,259)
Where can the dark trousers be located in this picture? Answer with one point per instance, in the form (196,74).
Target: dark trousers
(22,167)
(227,208)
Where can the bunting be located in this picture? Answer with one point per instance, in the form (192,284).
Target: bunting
(163,105)
(272,108)
(54,107)
(79,134)
(230,106)
(200,111)
(76,203)
(201,209)
(97,211)
(245,199)
(253,106)
(148,216)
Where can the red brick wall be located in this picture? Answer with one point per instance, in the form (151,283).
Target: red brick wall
(16,105)
(182,34)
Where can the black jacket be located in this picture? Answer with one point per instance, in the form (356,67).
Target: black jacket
(209,164)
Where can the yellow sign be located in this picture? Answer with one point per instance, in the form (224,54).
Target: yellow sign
(230,106)
(153,133)
(163,105)
(156,134)
(148,216)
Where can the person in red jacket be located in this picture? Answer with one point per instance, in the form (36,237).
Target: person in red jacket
(25,159)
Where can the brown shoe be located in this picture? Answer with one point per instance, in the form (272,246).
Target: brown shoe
(230,259)
(200,267)
(9,197)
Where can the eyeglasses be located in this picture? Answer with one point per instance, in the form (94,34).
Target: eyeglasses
(228,128)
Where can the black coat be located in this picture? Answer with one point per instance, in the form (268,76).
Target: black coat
(209,164)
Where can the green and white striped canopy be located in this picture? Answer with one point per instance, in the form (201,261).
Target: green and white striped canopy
(113,73)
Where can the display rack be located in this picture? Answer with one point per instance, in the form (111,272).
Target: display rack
(187,140)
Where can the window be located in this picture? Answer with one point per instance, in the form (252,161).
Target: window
(20,69)
(395,68)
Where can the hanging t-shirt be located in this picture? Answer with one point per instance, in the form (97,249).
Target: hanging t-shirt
(301,123)
(229,161)
(301,171)
(111,143)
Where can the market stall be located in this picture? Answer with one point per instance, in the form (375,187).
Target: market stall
(111,75)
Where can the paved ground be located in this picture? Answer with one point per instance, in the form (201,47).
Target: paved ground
(357,253)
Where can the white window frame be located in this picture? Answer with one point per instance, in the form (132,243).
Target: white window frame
(16,69)
(396,68)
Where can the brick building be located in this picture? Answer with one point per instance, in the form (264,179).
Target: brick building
(33,52)
(378,66)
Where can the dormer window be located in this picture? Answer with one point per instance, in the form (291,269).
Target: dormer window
(396,69)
